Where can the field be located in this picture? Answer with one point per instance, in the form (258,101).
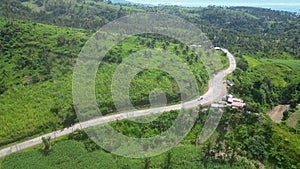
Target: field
(293,64)
(293,120)
(251,138)
(35,80)
(36,85)
(78,151)
(72,154)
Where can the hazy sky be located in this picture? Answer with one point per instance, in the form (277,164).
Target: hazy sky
(223,2)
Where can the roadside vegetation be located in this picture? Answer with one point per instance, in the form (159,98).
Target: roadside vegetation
(265,83)
(242,140)
(39,44)
(37,63)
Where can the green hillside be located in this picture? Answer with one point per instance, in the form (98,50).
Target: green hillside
(40,42)
(249,141)
(265,83)
(37,62)
(256,32)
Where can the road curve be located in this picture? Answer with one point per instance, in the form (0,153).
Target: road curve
(216,90)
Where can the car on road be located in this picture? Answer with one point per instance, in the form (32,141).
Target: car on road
(200,98)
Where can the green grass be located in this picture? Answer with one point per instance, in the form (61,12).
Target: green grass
(275,69)
(37,62)
(32,6)
(252,61)
(72,154)
(36,77)
(267,82)
(294,119)
(76,153)
(293,64)
(32,105)
(224,59)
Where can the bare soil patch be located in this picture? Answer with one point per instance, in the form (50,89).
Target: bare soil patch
(276,113)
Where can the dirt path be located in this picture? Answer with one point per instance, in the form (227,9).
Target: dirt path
(276,113)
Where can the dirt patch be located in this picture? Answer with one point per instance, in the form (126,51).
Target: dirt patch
(277,113)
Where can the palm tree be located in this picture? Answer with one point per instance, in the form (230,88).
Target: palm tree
(46,142)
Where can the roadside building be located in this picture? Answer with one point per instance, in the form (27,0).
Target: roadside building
(239,105)
(235,102)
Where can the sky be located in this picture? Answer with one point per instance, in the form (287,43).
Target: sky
(289,5)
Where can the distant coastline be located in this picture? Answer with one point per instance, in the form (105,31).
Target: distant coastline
(288,7)
(285,8)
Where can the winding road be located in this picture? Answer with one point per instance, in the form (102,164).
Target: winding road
(216,90)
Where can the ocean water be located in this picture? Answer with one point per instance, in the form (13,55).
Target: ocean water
(290,5)
(295,9)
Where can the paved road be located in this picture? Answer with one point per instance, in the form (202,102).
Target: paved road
(216,90)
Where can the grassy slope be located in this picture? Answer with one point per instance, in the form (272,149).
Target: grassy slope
(293,120)
(70,153)
(281,73)
(31,91)
(41,98)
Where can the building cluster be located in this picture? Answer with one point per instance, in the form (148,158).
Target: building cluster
(234,102)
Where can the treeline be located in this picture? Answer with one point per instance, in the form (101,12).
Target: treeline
(261,33)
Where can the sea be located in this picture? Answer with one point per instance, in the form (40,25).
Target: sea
(290,5)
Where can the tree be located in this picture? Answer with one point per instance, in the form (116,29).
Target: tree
(285,115)
(61,40)
(46,142)
(257,147)
(207,150)
(242,64)
(147,163)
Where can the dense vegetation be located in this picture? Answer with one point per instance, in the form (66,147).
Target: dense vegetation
(36,68)
(265,83)
(37,62)
(39,42)
(243,30)
(242,140)
(249,31)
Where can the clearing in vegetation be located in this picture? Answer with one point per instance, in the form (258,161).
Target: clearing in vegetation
(276,114)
